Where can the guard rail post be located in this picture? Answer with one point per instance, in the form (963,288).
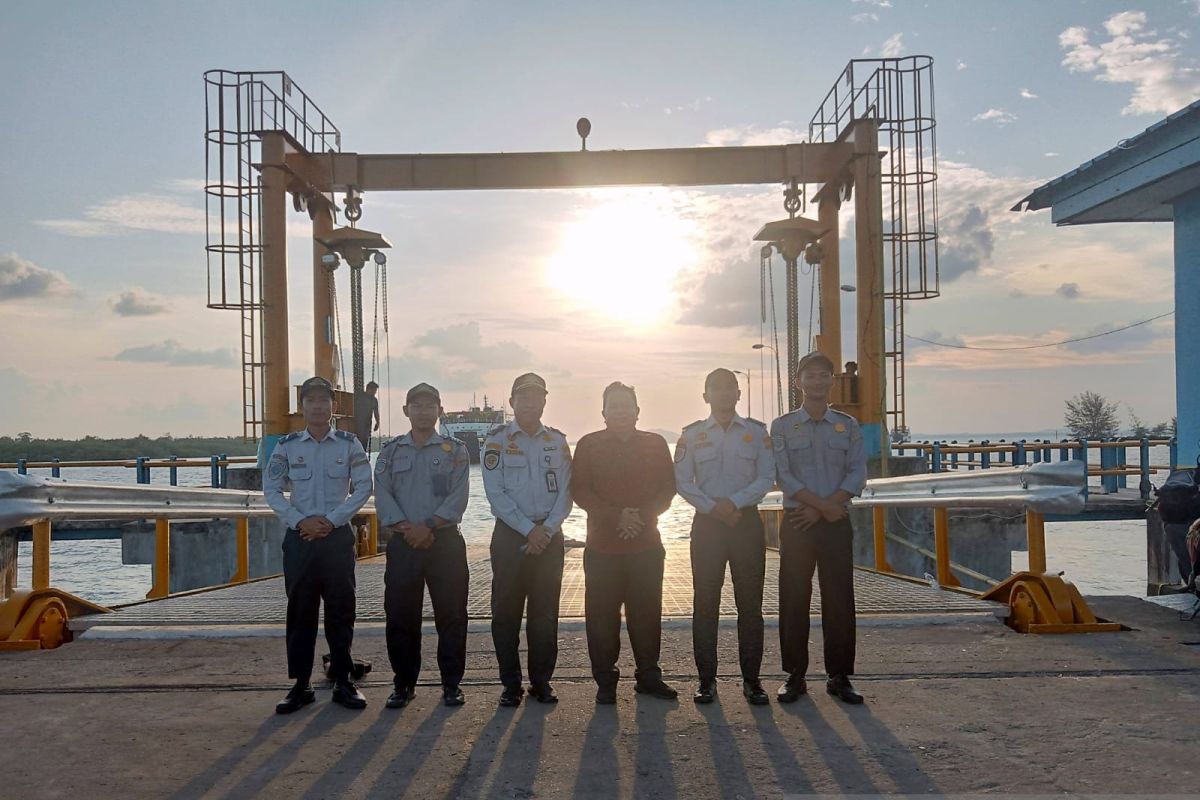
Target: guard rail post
(174,472)
(985,460)
(223,473)
(1144,464)
(214,473)
(373,536)
(23,470)
(879,527)
(41,554)
(1035,534)
(162,559)
(141,471)
(243,551)
(935,457)
(56,471)
(1019,455)
(941,539)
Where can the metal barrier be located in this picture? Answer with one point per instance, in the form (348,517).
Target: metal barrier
(40,502)
(1038,603)
(1113,469)
(217,465)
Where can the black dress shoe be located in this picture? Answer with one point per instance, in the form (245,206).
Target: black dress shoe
(347,694)
(511,696)
(791,691)
(543,693)
(606,696)
(840,687)
(706,693)
(297,698)
(452,696)
(754,692)
(656,688)
(400,697)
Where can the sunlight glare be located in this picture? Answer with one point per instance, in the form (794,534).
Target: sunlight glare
(622,256)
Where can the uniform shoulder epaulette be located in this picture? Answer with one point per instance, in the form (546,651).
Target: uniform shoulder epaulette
(390,441)
(290,437)
(455,441)
(691,425)
(556,430)
(497,430)
(345,435)
(840,413)
(756,421)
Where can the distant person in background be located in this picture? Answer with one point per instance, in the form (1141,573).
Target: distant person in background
(366,412)
(724,467)
(821,465)
(624,479)
(421,484)
(320,466)
(527,476)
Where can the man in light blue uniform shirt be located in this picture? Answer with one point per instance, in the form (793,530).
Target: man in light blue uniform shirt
(421,484)
(527,476)
(724,466)
(320,466)
(821,465)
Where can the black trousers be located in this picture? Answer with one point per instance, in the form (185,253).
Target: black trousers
(828,546)
(518,579)
(320,570)
(634,580)
(443,568)
(743,548)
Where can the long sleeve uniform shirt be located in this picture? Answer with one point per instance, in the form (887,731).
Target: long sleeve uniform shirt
(414,484)
(329,477)
(527,478)
(610,474)
(820,455)
(713,462)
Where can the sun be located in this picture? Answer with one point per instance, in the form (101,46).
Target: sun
(621,255)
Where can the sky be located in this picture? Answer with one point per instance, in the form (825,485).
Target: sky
(103,276)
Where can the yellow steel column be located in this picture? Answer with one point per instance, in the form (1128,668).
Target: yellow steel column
(162,559)
(243,551)
(373,538)
(879,518)
(941,546)
(41,554)
(868,235)
(276,402)
(1035,531)
(324,353)
(829,341)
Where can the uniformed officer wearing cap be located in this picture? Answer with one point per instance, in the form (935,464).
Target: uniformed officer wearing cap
(821,465)
(527,476)
(724,466)
(320,466)
(421,485)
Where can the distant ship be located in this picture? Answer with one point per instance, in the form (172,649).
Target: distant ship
(472,426)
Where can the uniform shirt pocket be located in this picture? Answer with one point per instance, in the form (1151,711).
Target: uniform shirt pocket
(516,468)
(707,463)
(299,472)
(402,463)
(338,470)
(552,459)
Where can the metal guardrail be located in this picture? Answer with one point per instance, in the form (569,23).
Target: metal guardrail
(40,502)
(1057,488)
(218,466)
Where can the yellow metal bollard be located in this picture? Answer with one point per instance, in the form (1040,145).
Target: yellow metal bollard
(879,519)
(243,551)
(162,560)
(1035,532)
(41,554)
(941,540)
(373,536)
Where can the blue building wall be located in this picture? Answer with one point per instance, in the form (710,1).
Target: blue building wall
(1187,325)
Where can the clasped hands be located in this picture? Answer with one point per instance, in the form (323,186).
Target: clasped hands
(418,536)
(804,517)
(313,528)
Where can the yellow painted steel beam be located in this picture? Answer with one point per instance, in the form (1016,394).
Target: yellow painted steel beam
(324,351)
(41,554)
(879,528)
(1035,532)
(941,546)
(689,166)
(242,574)
(162,559)
(275,392)
(829,341)
(868,233)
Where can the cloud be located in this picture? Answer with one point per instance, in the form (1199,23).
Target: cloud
(1050,155)
(464,342)
(1068,290)
(173,354)
(996,115)
(1163,80)
(932,339)
(1142,337)
(137,302)
(893,47)
(866,16)
(1028,95)
(966,242)
(133,212)
(21,279)
(876,3)
(694,105)
(723,298)
(960,66)
(750,135)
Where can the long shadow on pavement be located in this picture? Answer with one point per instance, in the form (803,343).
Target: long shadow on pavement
(598,775)
(325,720)
(518,767)
(849,773)
(653,776)
(225,765)
(394,779)
(483,751)
(726,757)
(790,776)
(896,756)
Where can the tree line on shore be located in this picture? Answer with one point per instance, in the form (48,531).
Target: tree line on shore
(1091,415)
(92,448)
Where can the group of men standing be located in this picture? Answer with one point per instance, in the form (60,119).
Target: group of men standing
(624,478)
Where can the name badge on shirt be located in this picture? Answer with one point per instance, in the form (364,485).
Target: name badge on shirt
(552,482)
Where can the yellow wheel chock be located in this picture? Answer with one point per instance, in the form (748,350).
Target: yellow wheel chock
(1046,604)
(37,619)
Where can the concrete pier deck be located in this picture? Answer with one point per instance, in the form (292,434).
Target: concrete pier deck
(956,704)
